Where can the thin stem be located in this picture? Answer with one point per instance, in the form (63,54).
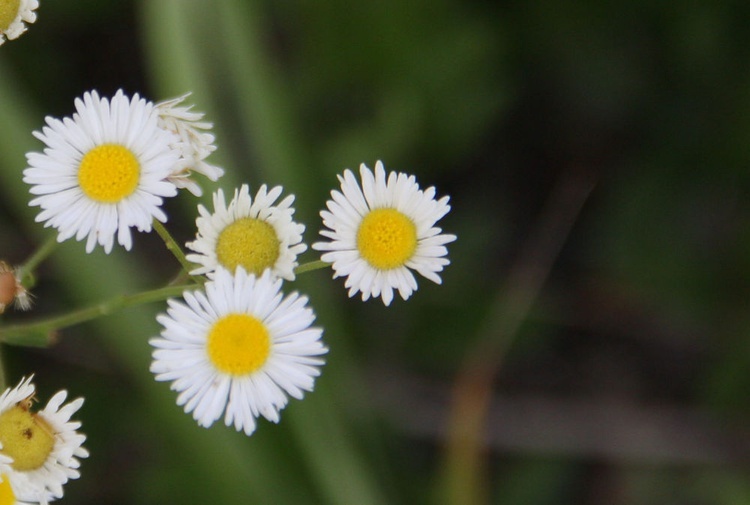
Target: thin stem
(174,248)
(182,278)
(25,272)
(43,333)
(310,266)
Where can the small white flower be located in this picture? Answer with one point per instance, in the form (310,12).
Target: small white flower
(44,446)
(381,231)
(256,234)
(103,171)
(238,349)
(195,143)
(8,494)
(14,14)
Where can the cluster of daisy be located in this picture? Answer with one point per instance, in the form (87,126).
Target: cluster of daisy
(235,345)
(39,450)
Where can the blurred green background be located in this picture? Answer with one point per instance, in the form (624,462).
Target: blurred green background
(626,378)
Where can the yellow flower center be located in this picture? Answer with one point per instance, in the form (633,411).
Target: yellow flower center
(7,496)
(386,238)
(108,173)
(238,344)
(8,13)
(250,243)
(26,437)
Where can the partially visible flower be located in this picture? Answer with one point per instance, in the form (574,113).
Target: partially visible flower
(195,143)
(7,494)
(10,492)
(11,289)
(238,349)
(256,234)
(381,231)
(104,171)
(14,14)
(44,446)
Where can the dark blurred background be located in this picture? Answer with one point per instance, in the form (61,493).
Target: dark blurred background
(597,160)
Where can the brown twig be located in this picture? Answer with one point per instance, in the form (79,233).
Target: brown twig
(464,471)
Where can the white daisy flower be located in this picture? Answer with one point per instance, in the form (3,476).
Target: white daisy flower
(14,14)
(195,143)
(256,234)
(103,171)
(381,231)
(44,446)
(238,349)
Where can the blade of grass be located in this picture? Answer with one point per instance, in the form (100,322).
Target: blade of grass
(250,89)
(262,100)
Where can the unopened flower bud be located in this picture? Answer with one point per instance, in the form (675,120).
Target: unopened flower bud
(11,289)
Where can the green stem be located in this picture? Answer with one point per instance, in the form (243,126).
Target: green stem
(175,249)
(25,273)
(310,266)
(182,278)
(43,333)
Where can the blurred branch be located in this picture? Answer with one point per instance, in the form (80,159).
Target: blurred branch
(610,429)
(463,469)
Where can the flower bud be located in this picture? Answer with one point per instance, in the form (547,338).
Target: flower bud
(11,289)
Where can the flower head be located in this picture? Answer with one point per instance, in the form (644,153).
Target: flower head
(43,446)
(14,14)
(254,233)
(195,143)
(238,349)
(103,171)
(382,230)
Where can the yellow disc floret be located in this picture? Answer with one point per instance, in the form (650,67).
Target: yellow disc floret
(386,238)
(7,496)
(249,243)
(238,344)
(8,13)
(108,173)
(26,437)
